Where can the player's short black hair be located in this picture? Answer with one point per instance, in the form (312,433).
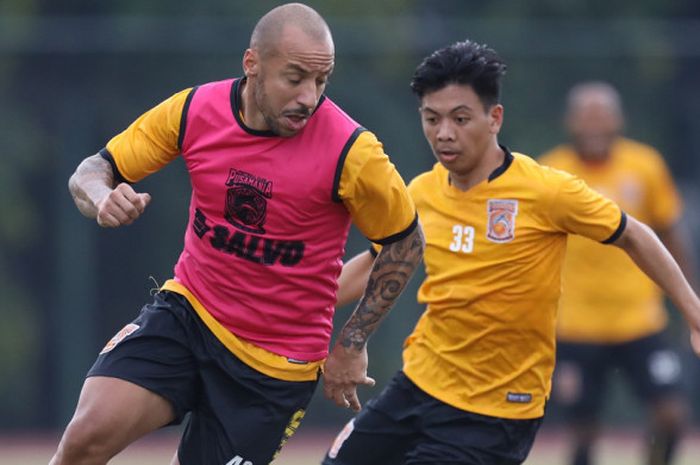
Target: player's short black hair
(466,63)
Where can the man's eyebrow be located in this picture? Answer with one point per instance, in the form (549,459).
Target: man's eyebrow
(461,108)
(300,69)
(452,110)
(295,67)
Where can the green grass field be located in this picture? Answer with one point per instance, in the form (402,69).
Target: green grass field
(307,447)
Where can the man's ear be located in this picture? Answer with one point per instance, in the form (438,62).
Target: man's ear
(251,63)
(496,118)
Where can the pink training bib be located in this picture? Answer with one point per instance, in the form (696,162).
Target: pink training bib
(265,238)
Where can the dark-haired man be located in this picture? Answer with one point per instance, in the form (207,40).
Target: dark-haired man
(478,365)
(238,337)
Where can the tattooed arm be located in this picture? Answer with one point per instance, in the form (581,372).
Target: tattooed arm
(96,195)
(346,366)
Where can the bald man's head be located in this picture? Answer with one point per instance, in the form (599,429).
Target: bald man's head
(287,67)
(268,33)
(594,93)
(594,118)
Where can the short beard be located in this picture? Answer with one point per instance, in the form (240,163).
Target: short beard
(260,97)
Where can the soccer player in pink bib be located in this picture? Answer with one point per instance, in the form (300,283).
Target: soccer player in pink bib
(239,336)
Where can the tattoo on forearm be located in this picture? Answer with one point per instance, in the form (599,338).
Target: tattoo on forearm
(392,270)
(92,170)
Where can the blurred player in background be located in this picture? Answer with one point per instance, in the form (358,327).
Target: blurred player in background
(477,368)
(239,336)
(611,315)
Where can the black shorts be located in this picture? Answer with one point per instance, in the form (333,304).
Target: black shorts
(238,415)
(652,369)
(404,425)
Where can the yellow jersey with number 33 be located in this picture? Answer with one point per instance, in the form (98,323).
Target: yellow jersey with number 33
(493,262)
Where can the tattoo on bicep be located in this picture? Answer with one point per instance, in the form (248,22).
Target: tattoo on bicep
(390,273)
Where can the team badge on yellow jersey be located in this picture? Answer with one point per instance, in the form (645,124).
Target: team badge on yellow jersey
(501,224)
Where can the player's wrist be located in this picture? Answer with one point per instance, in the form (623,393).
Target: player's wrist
(351,344)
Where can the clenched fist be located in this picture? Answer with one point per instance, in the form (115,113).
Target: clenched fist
(121,206)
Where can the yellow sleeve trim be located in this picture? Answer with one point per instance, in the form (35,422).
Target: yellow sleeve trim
(268,363)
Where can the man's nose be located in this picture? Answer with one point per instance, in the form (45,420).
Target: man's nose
(307,95)
(445,131)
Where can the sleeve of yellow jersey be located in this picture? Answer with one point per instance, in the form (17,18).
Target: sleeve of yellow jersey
(372,190)
(666,205)
(575,208)
(150,142)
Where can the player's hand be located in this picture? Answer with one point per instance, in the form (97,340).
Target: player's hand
(344,370)
(695,341)
(121,206)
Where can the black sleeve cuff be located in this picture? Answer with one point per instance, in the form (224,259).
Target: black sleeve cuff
(618,232)
(373,252)
(118,178)
(398,236)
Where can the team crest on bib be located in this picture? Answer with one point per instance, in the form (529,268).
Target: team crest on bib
(501,220)
(246,201)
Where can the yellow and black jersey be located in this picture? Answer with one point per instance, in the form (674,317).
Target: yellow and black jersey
(493,260)
(606,298)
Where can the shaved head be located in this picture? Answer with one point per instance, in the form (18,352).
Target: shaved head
(287,65)
(594,93)
(269,31)
(594,119)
